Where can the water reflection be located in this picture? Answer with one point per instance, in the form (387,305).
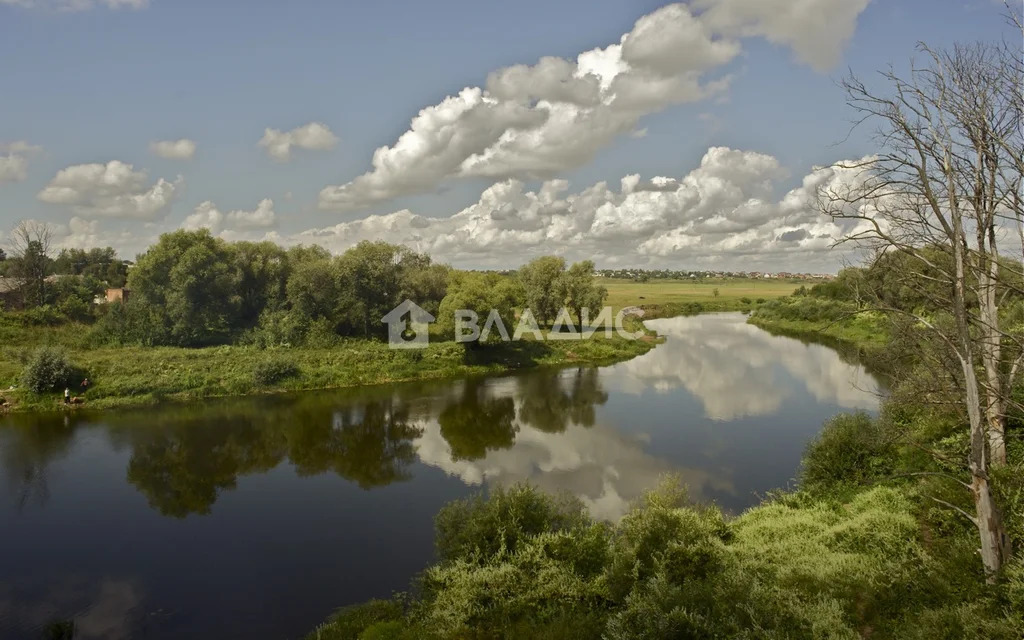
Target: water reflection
(217,511)
(738,370)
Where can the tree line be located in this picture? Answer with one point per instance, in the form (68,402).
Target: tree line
(192,289)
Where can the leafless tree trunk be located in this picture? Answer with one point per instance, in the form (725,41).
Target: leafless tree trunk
(31,246)
(942,190)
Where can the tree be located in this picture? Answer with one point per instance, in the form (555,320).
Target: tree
(263,276)
(372,271)
(190,277)
(581,290)
(945,182)
(481,293)
(544,287)
(313,290)
(31,244)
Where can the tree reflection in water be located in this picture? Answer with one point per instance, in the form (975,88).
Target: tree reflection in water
(183,458)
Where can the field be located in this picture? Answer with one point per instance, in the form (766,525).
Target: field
(664,295)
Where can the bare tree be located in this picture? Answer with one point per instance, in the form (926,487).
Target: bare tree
(31,246)
(944,192)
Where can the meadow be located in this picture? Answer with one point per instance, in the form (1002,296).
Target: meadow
(663,298)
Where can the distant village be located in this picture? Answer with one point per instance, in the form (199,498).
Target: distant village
(671,274)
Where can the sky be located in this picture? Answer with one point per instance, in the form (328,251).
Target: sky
(630,132)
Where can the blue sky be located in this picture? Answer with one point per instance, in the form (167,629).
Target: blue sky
(99,84)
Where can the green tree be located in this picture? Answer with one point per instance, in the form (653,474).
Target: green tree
(191,276)
(314,289)
(581,289)
(481,293)
(263,272)
(544,287)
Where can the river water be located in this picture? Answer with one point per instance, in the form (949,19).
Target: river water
(255,518)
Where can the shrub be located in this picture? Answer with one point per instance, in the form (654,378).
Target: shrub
(48,369)
(350,622)
(44,316)
(745,300)
(132,323)
(273,371)
(484,526)
(279,329)
(851,450)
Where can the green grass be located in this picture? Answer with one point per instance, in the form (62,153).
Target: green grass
(133,376)
(662,298)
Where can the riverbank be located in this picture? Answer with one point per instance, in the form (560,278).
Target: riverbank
(863,335)
(140,376)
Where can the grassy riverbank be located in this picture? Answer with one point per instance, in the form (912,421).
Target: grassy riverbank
(125,376)
(137,376)
(823,319)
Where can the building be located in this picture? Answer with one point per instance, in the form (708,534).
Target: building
(117,295)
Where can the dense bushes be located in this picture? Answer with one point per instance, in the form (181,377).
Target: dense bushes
(524,564)
(48,369)
(271,372)
(850,450)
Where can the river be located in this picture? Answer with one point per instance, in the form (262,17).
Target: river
(257,517)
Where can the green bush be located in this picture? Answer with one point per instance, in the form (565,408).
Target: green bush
(482,527)
(131,323)
(279,329)
(349,623)
(48,369)
(43,316)
(745,300)
(852,449)
(271,372)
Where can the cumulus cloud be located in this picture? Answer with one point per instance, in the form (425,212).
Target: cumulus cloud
(111,190)
(14,161)
(816,30)
(183,149)
(314,136)
(76,5)
(208,216)
(722,212)
(535,121)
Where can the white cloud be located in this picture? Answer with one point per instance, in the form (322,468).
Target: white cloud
(538,121)
(111,190)
(208,216)
(183,149)
(314,136)
(816,30)
(14,161)
(76,5)
(723,211)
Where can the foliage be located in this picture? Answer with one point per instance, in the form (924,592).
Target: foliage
(522,563)
(187,278)
(272,371)
(850,450)
(481,293)
(581,290)
(480,528)
(48,369)
(544,287)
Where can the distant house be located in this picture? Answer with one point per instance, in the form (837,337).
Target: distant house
(117,295)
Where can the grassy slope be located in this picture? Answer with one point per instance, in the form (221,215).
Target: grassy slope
(127,376)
